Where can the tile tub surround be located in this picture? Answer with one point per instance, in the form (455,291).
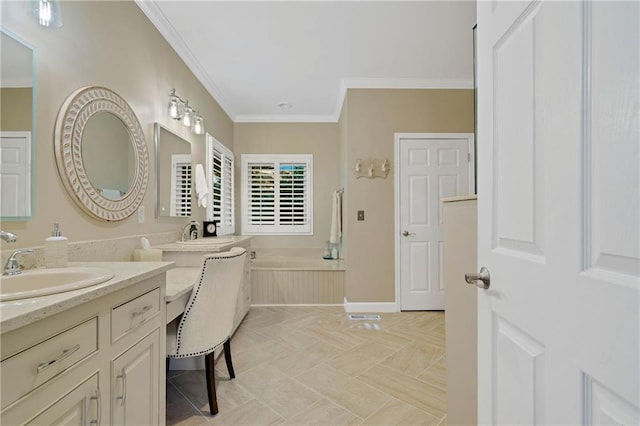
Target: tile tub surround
(18,313)
(112,250)
(311,365)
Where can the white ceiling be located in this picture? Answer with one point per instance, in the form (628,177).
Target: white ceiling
(252,55)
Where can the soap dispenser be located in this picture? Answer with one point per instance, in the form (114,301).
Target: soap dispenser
(56,249)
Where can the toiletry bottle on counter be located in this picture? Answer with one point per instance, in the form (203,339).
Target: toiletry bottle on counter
(56,249)
(334,252)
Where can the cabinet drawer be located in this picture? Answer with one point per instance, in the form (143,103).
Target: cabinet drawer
(32,367)
(132,314)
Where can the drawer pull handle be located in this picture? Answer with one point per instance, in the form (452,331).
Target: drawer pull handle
(123,398)
(137,317)
(98,398)
(141,311)
(65,354)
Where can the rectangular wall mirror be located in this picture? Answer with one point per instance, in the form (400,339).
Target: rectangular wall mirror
(173,173)
(17,130)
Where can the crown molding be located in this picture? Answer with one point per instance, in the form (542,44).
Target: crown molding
(257,118)
(396,83)
(162,24)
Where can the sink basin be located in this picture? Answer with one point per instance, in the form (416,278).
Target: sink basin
(211,241)
(42,282)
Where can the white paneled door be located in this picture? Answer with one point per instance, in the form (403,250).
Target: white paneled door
(15,174)
(431,167)
(559,212)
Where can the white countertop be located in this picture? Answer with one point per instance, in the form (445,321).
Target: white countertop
(18,313)
(180,281)
(214,247)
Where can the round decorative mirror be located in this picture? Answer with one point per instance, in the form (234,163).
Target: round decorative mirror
(101,153)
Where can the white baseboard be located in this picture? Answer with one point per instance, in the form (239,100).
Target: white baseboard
(353,307)
(263,305)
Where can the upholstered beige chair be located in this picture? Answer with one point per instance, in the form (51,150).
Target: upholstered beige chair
(207,321)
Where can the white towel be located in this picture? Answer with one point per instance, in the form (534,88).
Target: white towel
(202,188)
(336,218)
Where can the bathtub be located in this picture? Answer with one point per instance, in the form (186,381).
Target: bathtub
(296,281)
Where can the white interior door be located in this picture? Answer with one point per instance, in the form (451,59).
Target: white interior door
(558,212)
(15,174)
(431,167)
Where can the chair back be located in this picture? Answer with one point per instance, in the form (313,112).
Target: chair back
(207,321)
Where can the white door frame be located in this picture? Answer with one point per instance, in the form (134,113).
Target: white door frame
(398,137)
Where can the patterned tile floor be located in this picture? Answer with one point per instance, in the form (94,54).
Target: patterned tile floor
(314,366)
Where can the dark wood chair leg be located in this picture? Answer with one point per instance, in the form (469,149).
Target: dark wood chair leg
(227,358)
(211,382)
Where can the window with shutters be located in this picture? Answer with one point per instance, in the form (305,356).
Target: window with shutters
(277,194)
(220,177)
(180,185)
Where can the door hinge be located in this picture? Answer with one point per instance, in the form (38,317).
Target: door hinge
(468,157)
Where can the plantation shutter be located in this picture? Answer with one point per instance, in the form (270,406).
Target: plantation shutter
(227,219)
(217,185)
(293,197)
(220,174)
(277,194)
(180,185)
(262,206)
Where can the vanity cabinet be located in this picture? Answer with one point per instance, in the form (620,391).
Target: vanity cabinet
(134,374)
(96,363)
(78,407)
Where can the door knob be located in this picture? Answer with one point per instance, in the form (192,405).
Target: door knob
(407,233)
(481,279)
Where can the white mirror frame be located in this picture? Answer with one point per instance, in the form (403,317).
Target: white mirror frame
(74,114)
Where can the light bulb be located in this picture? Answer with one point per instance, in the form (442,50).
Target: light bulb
(188,112)
(176,107)
(198,125)
(47,13)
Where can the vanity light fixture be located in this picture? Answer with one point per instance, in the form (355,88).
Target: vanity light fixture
(179,109)
(47,13)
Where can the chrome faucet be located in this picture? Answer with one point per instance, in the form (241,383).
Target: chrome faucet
(8,236)
(190,231)
(13,267)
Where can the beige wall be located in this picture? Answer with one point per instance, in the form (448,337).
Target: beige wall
(109,44)
(319,139)
(371,118)
(15,109)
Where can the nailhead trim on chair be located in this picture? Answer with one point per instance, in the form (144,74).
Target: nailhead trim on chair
(186,311)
